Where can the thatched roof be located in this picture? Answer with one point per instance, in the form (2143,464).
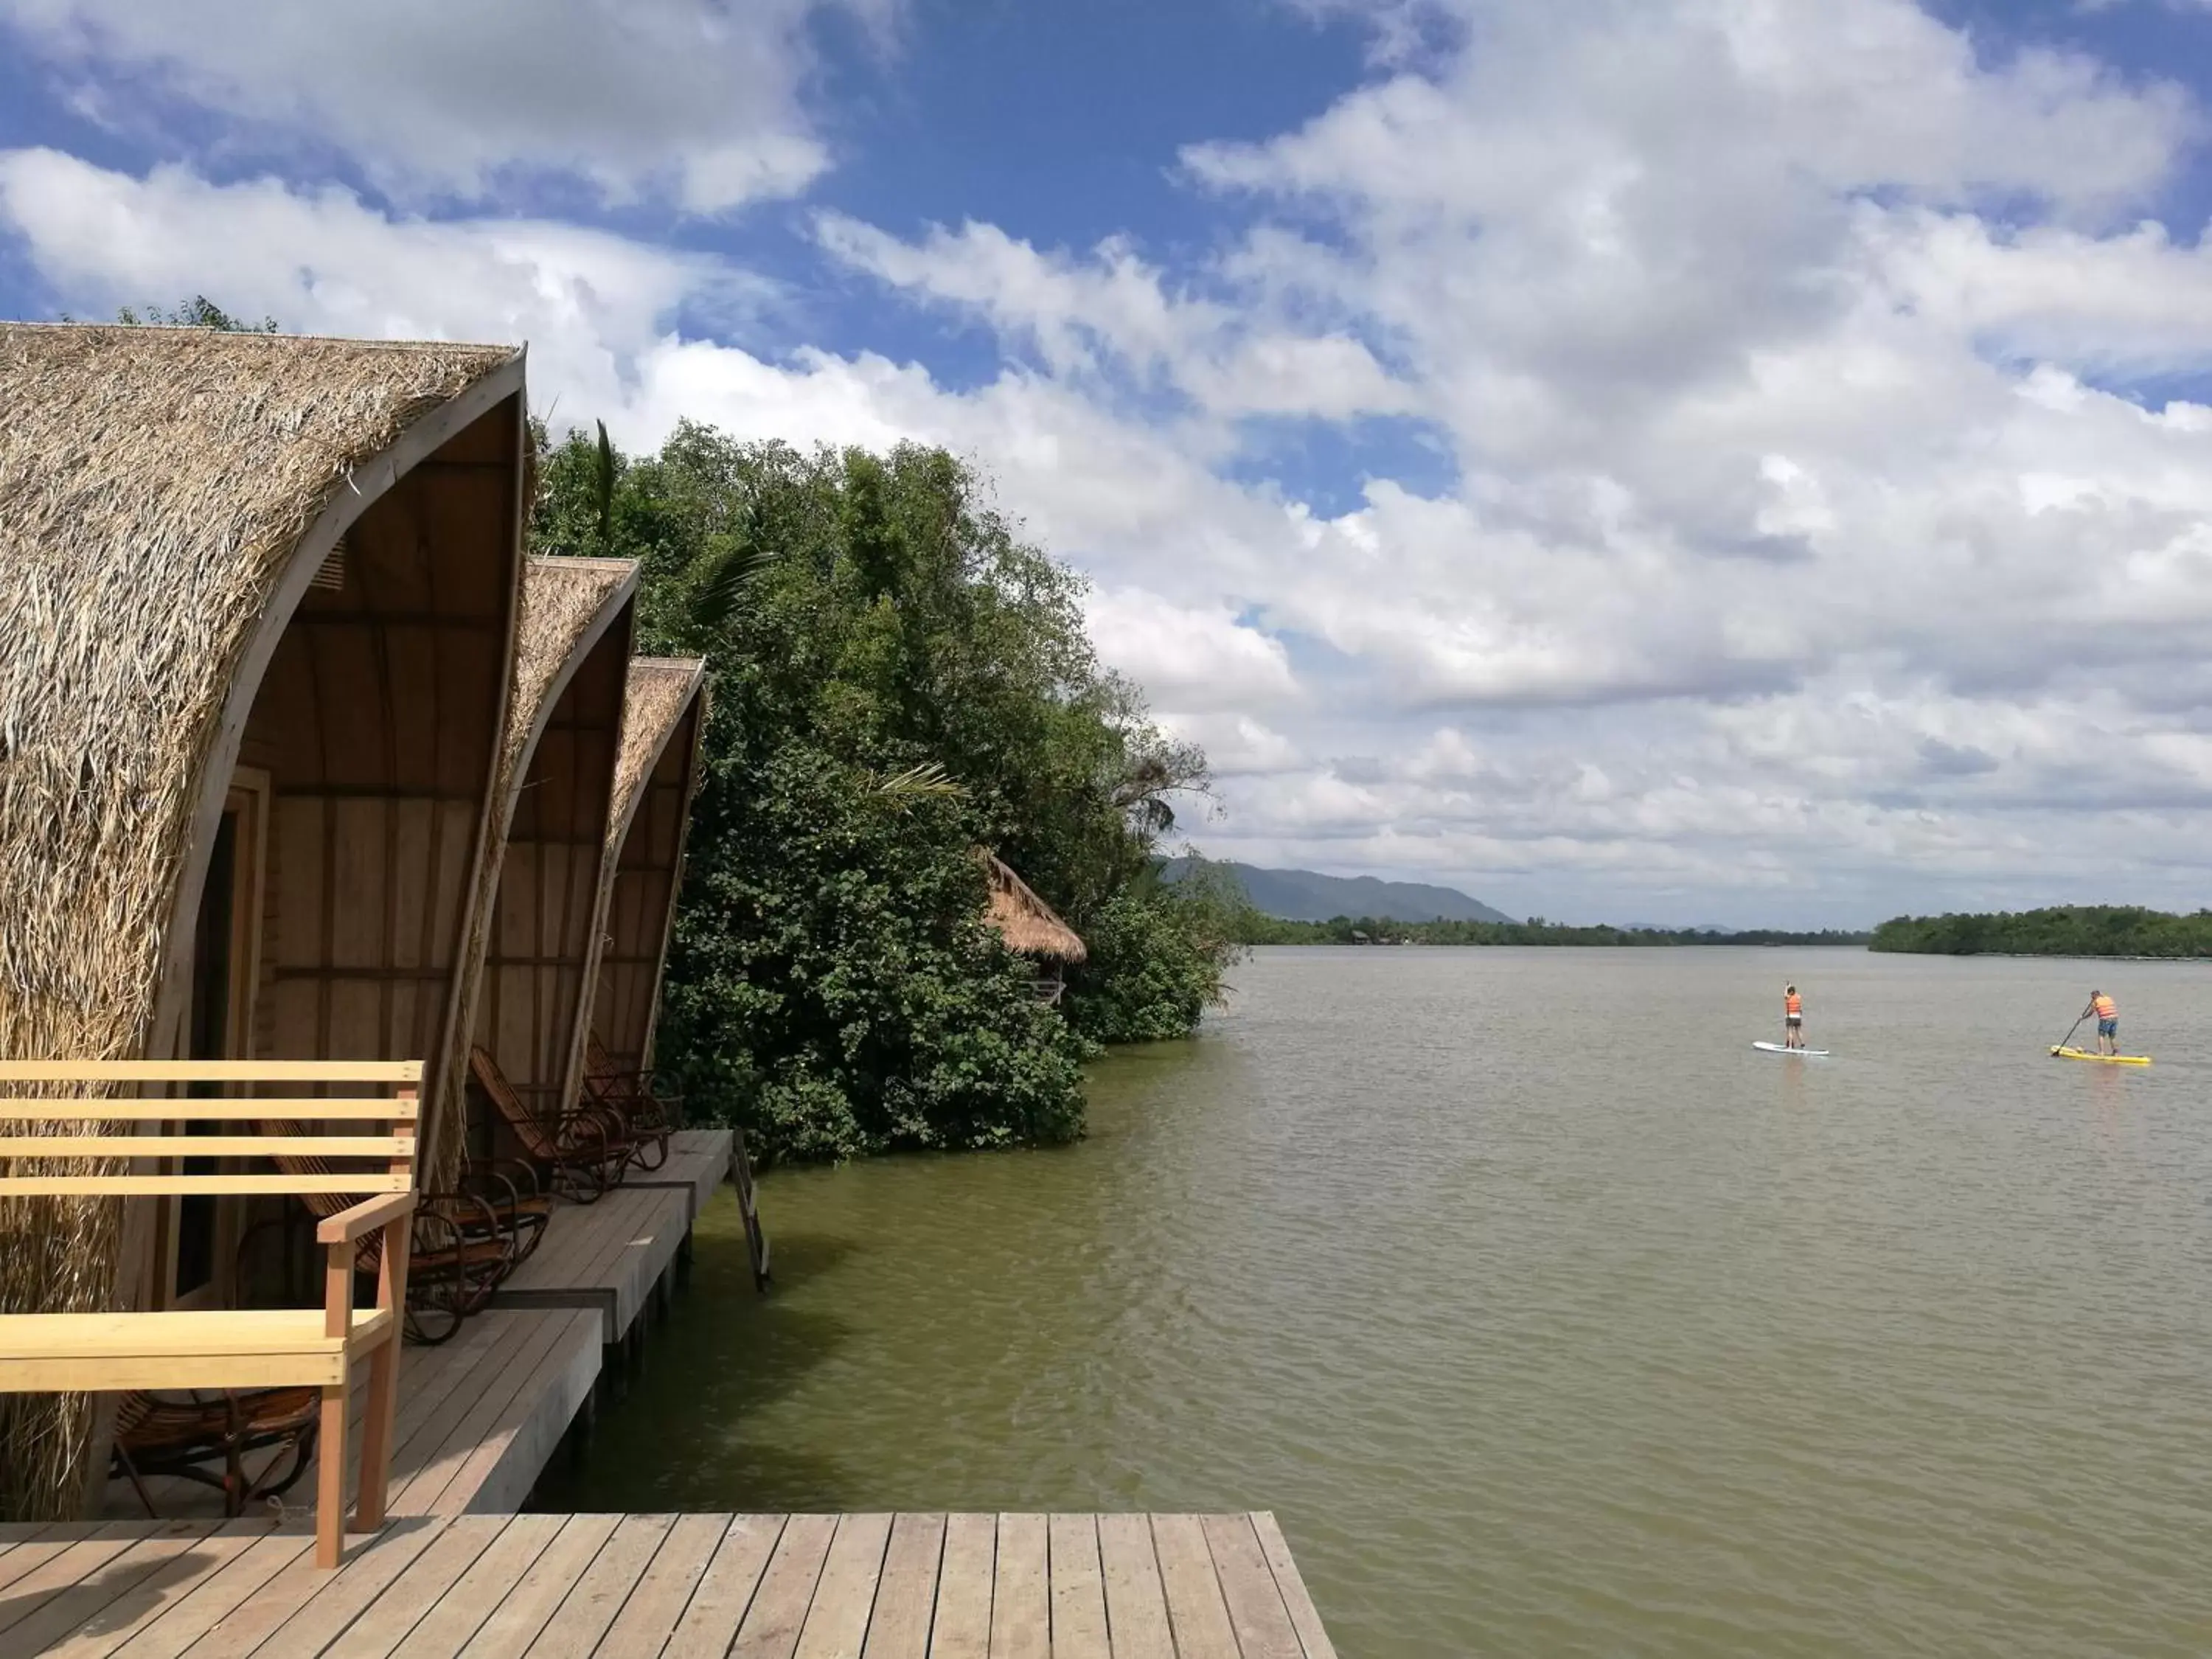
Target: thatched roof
(1025,921)
(164,494)
(566,606)
(154,483)
(661,689)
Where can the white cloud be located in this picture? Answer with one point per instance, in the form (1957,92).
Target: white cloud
(1236,745)
(1809,553)
(2116,305)
(1189,658)
(322,262)
(1114,313)
(697,101)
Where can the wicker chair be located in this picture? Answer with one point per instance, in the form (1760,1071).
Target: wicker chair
(520,1209)
(158,1434)
(583,1152)
(650,1114)
(460,1251)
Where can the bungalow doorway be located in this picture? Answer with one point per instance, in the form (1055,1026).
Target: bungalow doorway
(201,1232)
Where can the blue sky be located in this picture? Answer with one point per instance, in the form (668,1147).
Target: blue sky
(1691,459)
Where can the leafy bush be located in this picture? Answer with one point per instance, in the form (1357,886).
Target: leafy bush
(1158,954)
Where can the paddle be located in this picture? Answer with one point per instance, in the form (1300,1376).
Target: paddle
(2071,1029)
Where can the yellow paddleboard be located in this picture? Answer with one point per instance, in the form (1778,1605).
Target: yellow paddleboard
(2102,1059)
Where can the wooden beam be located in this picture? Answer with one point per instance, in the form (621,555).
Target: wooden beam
(211,1071)
(184,1185)
(57,1146)
(185,1108)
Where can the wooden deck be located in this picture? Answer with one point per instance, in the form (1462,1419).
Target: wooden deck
(699,1161)
(608,1257)
(478,1419)
(663,1586)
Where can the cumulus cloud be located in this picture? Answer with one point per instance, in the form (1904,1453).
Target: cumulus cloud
(693,101)
(1824,533)
(1112,312)
(1237,745)
(321,261)
(1189,658)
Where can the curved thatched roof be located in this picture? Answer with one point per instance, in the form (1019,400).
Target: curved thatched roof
(641,861)
(1025,921)
(155,484)
(661,689)
(568,605)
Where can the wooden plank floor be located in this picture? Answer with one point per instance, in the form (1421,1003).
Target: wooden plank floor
(478,1418)
(699,1161)
(606,1257)
(667,1587)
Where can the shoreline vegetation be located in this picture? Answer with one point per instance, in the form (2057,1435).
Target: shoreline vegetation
(1256,929)
(2070,930)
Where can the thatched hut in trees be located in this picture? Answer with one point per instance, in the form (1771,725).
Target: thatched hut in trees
(1029,925)
(641,861)
(258,598)
(526,1002)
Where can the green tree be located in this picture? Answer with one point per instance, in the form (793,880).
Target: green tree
(897,679)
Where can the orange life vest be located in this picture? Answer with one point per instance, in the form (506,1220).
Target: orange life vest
(2107,1008)
(1793,1003)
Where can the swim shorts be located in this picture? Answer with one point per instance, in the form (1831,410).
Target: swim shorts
(2110,1028)
(1793,1019)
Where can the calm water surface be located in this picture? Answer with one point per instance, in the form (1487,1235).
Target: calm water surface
(1549,1316)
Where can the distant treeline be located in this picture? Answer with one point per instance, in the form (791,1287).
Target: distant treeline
(2071,930)
(1371,930)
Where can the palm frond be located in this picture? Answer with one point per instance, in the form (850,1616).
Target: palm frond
(732,574)
(603,489)
(927,781)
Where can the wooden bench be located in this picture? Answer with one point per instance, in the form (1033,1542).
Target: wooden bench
(251,1349)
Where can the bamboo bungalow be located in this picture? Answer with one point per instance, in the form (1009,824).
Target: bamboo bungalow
(642,858)
(258,601)
(526,1003)
(1029,927)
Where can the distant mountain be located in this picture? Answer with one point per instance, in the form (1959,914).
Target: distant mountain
(1308,895)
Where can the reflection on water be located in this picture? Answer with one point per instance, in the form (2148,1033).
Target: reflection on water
(1548,1315)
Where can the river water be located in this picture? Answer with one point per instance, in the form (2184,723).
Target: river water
(1548,1315)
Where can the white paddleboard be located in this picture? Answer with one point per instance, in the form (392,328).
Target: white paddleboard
(1777,1049)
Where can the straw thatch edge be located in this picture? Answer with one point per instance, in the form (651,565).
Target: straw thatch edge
(1026,922)
(368,483)
(644,741)
(544,662)
(643,746)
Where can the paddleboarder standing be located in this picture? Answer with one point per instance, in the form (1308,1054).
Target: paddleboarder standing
(2108,1021)
(1793,1019)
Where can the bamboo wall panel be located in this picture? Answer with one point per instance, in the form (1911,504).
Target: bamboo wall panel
(530,1007)
(640,900)
(378,721)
